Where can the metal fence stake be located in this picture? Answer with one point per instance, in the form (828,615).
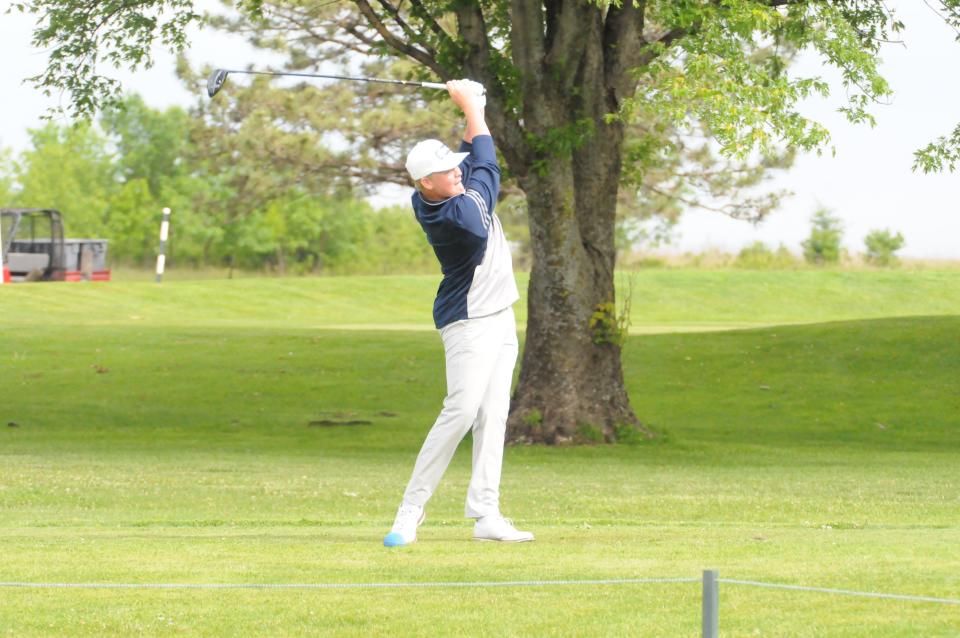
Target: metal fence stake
(711,604)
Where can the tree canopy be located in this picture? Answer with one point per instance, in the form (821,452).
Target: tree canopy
(86,38)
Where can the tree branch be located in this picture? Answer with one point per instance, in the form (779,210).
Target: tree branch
(528,45)
(411,34)
(472,30)
(569,39)
(666,39)
(423,57)
(738,211)
(422,13)
(622,42)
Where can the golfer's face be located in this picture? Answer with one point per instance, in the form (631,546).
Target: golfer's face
(446,183)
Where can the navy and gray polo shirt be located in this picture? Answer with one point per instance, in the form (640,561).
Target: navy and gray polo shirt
(468,240)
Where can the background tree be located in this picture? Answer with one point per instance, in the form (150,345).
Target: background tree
(284,190)
(758,256)
(6,178)
(151,146)
(565,80)
(882,246)
(822,247)
(68,168)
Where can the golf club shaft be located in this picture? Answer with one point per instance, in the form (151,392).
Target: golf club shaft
(426,85)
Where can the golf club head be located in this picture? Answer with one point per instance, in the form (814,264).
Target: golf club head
(215,81)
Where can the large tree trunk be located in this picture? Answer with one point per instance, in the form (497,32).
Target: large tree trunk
(571,385)
(574,59)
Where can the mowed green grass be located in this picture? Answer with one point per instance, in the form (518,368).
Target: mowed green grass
(175,434)
(661,300)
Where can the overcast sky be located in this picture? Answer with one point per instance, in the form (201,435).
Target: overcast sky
(869,184)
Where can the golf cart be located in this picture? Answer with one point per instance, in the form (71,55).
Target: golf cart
(33,249)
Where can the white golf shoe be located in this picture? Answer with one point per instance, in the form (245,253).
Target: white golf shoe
(404,531)
(498,528)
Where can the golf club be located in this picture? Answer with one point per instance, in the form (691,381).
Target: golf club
(219,76)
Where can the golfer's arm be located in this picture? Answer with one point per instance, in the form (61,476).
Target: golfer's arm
(476,125)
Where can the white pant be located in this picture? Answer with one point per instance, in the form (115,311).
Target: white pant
(480,357)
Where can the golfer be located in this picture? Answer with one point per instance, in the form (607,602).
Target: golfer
(454,201)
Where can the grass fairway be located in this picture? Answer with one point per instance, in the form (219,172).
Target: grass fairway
(182,434)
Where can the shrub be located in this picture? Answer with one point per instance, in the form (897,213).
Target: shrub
(759,256)
(882,246)
(823,245)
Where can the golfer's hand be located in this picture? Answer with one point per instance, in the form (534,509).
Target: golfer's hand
(467,94)
(478,91)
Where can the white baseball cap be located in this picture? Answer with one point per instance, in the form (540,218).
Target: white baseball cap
(431,156)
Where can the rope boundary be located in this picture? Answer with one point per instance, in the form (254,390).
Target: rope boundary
(478,584)
(504,583)
(840,592)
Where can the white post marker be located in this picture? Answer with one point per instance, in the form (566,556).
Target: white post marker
(164,231)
